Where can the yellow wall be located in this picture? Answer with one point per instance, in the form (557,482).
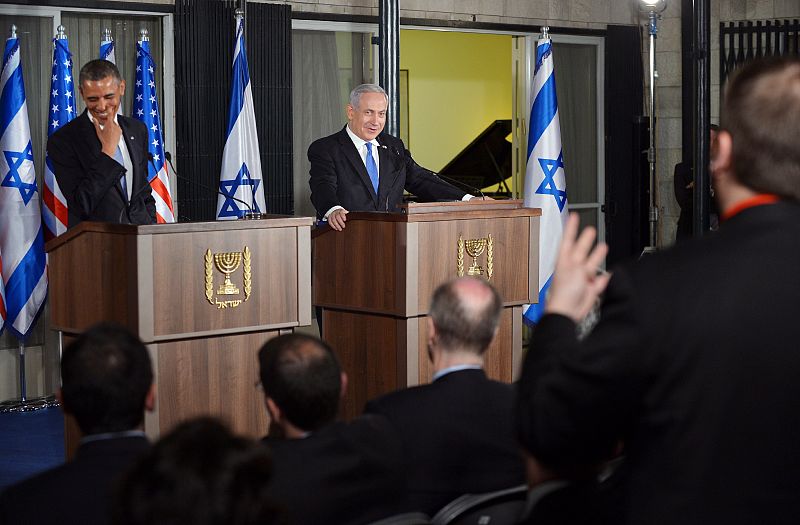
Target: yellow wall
(459,83)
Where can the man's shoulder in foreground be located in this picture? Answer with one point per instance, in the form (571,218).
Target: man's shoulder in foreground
(78,491)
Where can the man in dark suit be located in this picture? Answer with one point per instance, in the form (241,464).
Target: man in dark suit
(106,385)
(694,362)
(324,471)
(100,158)
(361,168)
(457,432)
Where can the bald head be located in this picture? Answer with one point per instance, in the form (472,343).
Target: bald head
(465,314)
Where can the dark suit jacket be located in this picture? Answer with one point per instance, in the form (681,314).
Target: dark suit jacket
(457,436)
(339,177)
(90,179)
(345,473)
(694,365)
(78,492)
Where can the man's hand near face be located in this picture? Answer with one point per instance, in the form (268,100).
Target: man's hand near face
(109,135)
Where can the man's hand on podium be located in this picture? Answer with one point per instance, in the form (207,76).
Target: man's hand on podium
(481,198)
(337,218)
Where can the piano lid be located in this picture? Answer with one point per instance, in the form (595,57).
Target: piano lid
(486,160)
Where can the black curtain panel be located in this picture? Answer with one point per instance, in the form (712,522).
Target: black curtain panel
(627,139)
(204,45)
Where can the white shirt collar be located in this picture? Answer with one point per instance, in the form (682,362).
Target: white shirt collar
(358,141)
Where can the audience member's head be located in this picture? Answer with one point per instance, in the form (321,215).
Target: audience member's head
(759,126)
(200,473)
(106,380)
(464,315)
(302,381)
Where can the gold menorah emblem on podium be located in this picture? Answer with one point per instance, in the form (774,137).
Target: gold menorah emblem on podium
(227,263)
(475,248)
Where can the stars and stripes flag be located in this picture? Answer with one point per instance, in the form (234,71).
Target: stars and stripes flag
(24,266)
(545,181)
(145,108)
(62,110)
(107,47)
(240,177)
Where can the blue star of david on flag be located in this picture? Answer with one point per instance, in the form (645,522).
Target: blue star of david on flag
(548,185)
(228,188)
(14,179)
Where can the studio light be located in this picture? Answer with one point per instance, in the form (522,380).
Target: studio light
(653,8)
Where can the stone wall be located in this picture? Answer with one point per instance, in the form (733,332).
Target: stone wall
(668,95)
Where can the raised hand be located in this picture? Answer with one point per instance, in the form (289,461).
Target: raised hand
(577,281)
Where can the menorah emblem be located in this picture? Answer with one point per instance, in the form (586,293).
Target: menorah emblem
(475,248)
(227,263)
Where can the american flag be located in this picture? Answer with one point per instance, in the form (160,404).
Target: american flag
(61,111)
(145,108)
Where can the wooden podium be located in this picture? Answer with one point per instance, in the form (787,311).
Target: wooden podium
(167,284)
(374,282)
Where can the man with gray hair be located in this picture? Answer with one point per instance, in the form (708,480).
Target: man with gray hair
(361,168)
(457,432)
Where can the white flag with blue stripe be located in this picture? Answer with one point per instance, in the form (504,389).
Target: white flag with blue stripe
(107,47)
(545,181)
(24,266)
(240,178)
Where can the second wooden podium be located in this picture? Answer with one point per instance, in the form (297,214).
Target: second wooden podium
(374,281)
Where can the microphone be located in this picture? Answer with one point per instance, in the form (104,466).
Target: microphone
(249,214)
(470,189)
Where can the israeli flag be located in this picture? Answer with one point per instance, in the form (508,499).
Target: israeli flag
(240,179)
(545,181)
(24,268)
(107,47)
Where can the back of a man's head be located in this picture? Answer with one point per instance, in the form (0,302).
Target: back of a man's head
(465,314)
(105,379)
(303,377)
(761,112)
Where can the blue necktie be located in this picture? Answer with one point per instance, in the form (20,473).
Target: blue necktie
(122,181)
(372,168)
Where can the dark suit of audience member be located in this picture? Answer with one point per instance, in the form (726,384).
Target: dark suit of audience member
(457,432)
(340,164)
(199,474)
(325,471)
(106,385)
(88,160)
(694,362)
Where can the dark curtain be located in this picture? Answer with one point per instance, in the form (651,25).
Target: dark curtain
(204,44)
(626,144)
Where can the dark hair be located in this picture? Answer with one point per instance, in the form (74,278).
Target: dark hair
(302,375)
(761,111)
(98,69)
(200,473)
(465,312)
(105,377)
